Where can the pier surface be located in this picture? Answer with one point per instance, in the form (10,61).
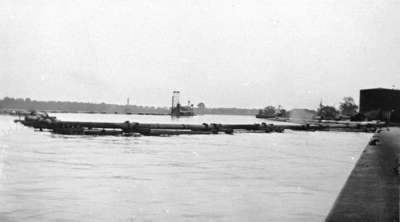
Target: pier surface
(371,192)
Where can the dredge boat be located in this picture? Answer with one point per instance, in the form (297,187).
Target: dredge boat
(177,109)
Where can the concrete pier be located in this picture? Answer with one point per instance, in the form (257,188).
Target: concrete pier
(371,192)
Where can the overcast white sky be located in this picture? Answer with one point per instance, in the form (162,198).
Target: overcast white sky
(223,53)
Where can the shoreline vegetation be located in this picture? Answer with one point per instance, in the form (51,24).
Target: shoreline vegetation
(15,106)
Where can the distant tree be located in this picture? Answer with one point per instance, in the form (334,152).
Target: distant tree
(269,110)
(201,105)
(328,112)
(348,107)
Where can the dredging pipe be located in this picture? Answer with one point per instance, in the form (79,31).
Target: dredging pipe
(146,128)
(127,128)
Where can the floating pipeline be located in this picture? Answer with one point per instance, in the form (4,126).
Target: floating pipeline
(44,122)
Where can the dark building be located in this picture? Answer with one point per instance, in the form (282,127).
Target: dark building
(379,103)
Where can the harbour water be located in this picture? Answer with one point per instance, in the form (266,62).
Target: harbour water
(291,176)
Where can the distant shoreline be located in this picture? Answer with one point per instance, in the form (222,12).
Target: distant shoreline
(16,112)
(8,105)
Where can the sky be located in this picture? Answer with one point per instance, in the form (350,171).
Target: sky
(247,53)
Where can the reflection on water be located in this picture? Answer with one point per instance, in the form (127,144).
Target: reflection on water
(294,176)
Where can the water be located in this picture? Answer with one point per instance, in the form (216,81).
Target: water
(293,176)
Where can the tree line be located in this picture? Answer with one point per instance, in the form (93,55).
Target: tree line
(27,104)
(346,110)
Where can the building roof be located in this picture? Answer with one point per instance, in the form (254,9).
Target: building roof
(380,89)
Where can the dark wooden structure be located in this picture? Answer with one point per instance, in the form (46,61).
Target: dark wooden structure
(379,103)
